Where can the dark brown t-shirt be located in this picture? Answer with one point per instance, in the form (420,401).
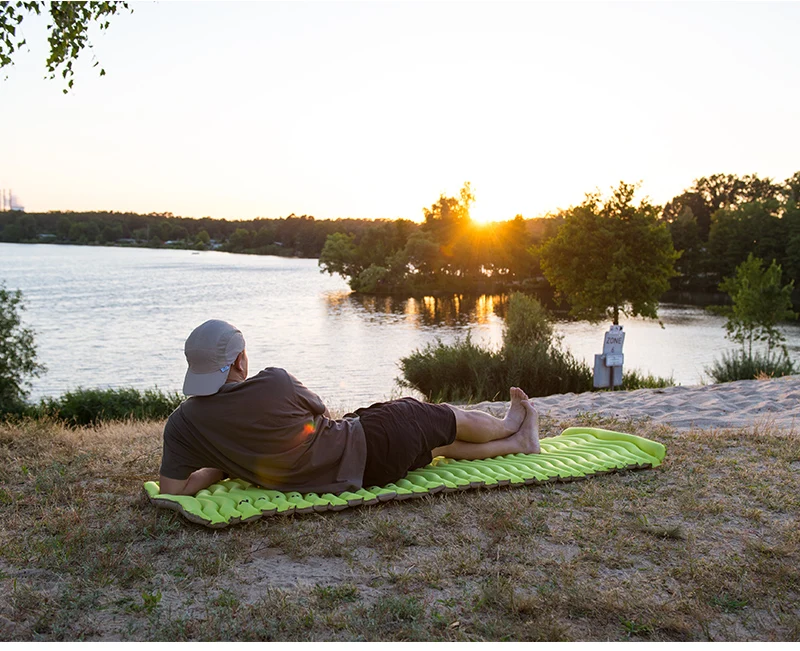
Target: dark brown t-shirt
(269,430)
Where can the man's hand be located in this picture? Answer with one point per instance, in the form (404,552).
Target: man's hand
(197,481)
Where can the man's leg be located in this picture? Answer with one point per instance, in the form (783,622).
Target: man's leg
(476,426)
(478,437)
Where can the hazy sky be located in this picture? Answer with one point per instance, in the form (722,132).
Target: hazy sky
(334,109)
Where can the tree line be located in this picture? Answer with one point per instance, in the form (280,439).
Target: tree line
(691,244)
(713,225)
(301,236)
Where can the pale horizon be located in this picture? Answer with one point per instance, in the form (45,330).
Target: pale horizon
(372,110)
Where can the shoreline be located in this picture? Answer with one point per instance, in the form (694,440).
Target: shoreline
(732,405)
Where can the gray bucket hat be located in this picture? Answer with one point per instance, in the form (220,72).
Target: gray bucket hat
(210,350)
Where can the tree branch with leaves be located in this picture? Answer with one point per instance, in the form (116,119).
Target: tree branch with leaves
(68,31)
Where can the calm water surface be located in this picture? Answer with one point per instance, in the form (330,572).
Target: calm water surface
(114,317)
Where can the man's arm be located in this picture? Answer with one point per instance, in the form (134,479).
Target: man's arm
(198,480)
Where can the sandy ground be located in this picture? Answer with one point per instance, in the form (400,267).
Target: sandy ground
(732,405)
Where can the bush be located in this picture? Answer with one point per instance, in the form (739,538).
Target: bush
(527,321)
(17,353)
(741,366)
(89,406)
(530,358)
(461,372)
(760,302)
(632,380)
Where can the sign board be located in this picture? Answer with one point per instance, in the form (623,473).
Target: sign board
(608,366)
(613,340)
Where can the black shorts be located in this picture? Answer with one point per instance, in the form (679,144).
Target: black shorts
(400,436)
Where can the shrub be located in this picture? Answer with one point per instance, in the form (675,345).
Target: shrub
(17,353)
(760,302)
(530,358)
(740,365)
(461,372)
(632,380)
(89,406)
(527,321)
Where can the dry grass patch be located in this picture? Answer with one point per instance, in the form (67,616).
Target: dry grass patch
(706,547)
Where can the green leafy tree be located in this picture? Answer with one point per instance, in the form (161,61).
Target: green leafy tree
(791,219)
(760,302)
(62,229)
(791,188)
(67,29)
(686,239)
(17,352)
(339,256)
(710,194)
(611,257)
(756,227)
(240,240)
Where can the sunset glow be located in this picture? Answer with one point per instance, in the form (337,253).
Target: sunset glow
(373,110)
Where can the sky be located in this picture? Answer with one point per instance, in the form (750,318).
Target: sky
(374,109)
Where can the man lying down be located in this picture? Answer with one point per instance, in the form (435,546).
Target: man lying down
(272,431)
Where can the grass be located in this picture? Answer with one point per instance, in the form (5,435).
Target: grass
(706,547)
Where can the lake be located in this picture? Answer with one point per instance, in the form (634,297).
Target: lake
(118,317)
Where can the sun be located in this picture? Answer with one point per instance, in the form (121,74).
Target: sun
(482,215)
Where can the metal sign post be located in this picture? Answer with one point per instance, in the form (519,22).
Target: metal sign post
(608,365)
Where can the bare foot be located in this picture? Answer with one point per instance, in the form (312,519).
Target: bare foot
(528,435)
(516,413)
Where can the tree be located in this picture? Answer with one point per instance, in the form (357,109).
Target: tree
(339,256)
(756,227)
(240,240)
(17,352)
(610,257)
(68,31)
(760,302)
(686,239)
(710,194)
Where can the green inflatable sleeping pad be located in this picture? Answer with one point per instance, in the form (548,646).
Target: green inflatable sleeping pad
(577,453)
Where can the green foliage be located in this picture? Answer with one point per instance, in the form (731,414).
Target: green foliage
(714,224)
(611,257)
(338,256)
(68,31)
(527,321)
(17,353)
(722,218)
(760,302)
(301,236)
(753,228)
(448,251)
(632,380)
(150,601)
(686,239)
(372,280)
(89,406)
(461,372)
(738,365)
(530,358)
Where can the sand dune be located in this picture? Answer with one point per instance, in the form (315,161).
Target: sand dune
(735,404)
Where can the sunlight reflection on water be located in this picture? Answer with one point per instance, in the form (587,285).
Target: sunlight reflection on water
(118,317)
